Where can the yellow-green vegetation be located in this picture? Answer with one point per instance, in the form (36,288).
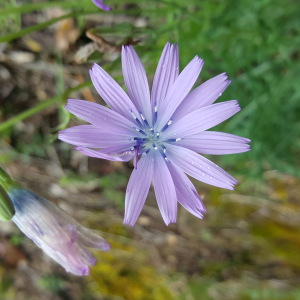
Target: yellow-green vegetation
(127,272)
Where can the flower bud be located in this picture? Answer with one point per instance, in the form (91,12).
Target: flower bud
(49,227)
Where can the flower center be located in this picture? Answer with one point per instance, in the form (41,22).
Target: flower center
(149,139)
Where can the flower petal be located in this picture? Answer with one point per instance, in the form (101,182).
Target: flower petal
(202,119)
(216,143)
(200,167)
(137,189)
(187,195)
(205,94)
(90,239)
(166,72)
(101,5)
(121,156)
(112,93)
(164,188)
(100,116)
(92,136)
(178,91)
(136,81)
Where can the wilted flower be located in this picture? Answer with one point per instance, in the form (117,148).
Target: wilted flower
(167,129)
(51,229)
(101,5)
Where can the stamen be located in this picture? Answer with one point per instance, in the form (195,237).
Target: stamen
(139,139)
(139,130)
(164,155)
(155,114)
(143,118)
(146,152)
(173,140)
(135,118)
(136,155)
(167,125)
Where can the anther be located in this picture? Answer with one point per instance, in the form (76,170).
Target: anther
(143,118)
(173,140)
(134,117)
(155,114)
(164,155)
(167,125)
(139,130)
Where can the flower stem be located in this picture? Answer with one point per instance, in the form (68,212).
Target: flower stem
(41,106)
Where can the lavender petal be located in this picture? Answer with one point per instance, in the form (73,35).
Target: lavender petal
(200,167)
(202,119)
(178,91)
(112,93)
(205,94)
(101,5)
(91,136)
(100,116)
(165,191)
(99,154)
(187,195)
(215,143)
(166,73)
(136,81)
(137,189)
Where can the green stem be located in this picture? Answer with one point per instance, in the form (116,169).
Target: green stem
(28,113)
(7,210)
(25,8)
(6,207)
(15,35)
(41,106)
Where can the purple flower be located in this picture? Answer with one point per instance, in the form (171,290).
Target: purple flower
(101,5)
(166,129)
(57,234)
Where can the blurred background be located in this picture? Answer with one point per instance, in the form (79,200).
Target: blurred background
(248,244)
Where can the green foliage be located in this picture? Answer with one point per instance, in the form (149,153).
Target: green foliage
(9,22)
(255,42)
